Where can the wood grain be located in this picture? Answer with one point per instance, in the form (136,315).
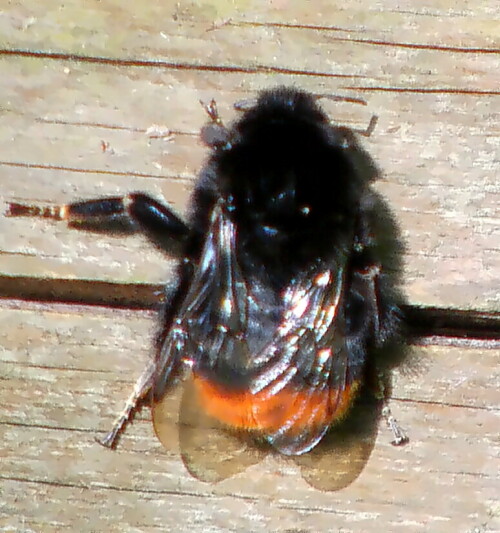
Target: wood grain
(67,370)
(101,98)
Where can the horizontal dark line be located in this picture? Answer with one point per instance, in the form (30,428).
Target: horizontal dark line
(48,427)
(95,487)
(479,475)
(174,65)
(139,490)
(114,127)
(426,325)
(416,401)
(375,42)
(417,46)
(289,25)
(421,90)
(98,171)
(81,170)
(256,69)
(53,368)
(136,296)
(453,323)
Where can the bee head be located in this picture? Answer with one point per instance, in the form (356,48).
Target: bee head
(287,172)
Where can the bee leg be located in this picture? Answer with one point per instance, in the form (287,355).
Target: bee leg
(214,134)
(370,128)
(142,388)
(135,212)
(381,388)
(126,214)
(368,279)
(400,437)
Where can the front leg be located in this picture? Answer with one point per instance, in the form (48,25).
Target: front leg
(127,214)
(134,212)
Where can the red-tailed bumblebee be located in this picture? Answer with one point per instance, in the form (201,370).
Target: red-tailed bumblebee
(285,296)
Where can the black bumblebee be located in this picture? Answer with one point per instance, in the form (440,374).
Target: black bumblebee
(285,295)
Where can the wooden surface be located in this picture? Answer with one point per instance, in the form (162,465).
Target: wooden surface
(67,370)
(102,98)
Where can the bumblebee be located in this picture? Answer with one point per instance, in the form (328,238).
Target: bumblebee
(284,296)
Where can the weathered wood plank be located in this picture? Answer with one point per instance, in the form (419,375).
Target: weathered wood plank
(82,100)
(172,29)
(437,139)
(440,207)
(66,370)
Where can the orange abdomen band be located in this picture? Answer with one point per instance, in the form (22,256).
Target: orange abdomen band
(267,413)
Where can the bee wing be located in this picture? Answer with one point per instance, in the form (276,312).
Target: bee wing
(212,315)
(308,378)
(210,450)
(207,326)
(342,454)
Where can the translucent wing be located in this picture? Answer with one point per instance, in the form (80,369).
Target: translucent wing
(209,449)
(342,454)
